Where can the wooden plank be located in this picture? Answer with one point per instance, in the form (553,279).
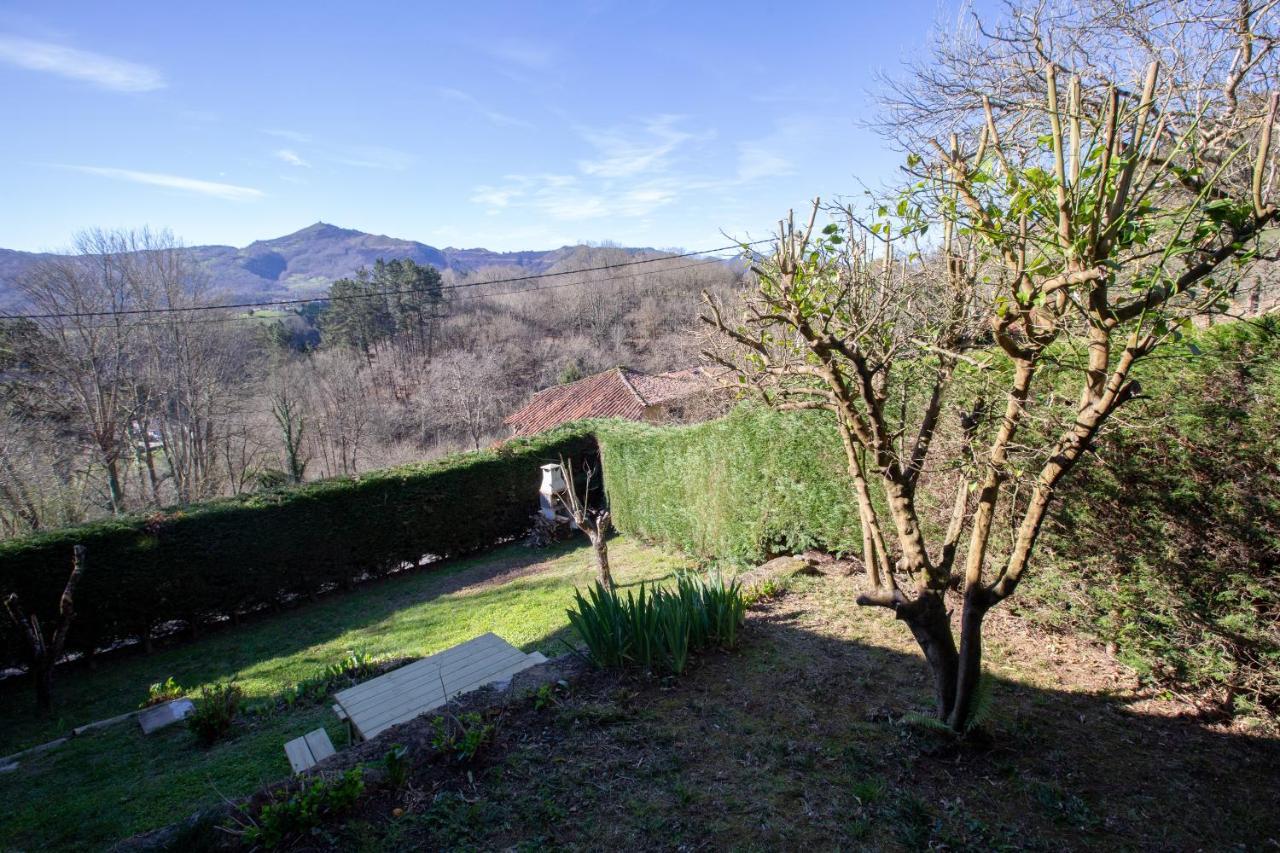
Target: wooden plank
(319,744)
(427,667)
(423,685)
(430,690)
(376,726)
(427,680)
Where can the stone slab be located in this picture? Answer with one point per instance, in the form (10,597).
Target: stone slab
(154,719)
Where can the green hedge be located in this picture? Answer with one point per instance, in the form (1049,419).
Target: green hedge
(1169,547)
(745,487)
(217,559)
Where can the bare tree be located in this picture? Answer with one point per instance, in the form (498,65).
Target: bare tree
(1084,220)
(593,522)
(44,648)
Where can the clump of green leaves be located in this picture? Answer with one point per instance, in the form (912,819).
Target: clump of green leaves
(163,691)
(658,628)
(767,590)
(396,763)
(461,738)
(316,802)
(545,697)
(215,711)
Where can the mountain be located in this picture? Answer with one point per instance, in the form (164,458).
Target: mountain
(305,262)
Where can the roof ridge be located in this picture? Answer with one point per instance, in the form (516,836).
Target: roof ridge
(622,374)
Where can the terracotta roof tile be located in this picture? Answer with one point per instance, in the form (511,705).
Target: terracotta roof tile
(616,393)
(604,395)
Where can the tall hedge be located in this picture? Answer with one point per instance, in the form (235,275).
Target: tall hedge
(224,557)
(741,488)
(1166,542)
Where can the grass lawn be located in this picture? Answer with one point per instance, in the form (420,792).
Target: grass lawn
(112,783)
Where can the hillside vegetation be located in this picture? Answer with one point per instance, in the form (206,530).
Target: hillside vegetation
(401,363)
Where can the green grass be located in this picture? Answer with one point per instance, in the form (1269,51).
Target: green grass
(115,782)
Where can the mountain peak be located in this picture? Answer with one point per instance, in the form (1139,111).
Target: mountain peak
(324,229)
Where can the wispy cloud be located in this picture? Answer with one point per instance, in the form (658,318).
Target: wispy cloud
(624,152)
(213,189)
(318,151)
(288,155)
(106,72)
(494,116)
(761,159)
(640,168)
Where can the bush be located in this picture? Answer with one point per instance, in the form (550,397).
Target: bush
(658,628)
(212,560)
(396,764)
(215,711)
(461,738)
(318,801)
(163,691)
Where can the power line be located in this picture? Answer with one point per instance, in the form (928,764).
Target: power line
(275,303)
(143,324)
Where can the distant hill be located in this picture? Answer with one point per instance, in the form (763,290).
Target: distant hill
(305,262)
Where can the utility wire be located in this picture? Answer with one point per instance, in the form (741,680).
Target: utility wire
(143,324)
(75,315)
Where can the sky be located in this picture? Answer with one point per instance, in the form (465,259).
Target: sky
(505,126)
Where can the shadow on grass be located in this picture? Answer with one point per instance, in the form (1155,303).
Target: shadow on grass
(81,695)
(799,740)
(795,740)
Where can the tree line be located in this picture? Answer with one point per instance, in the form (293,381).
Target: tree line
(126,389)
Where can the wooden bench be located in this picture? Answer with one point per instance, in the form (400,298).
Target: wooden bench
(309,750)
(404,693)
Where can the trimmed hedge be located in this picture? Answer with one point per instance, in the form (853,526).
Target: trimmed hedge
(753,484)
(217,559)
(1169,547)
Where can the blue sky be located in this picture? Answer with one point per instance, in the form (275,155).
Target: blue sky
(508,126)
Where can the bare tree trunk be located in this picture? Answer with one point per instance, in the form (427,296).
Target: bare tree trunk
(926,616)
(601,549)
(44,651)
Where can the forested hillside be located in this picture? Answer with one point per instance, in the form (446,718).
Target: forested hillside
(172,399)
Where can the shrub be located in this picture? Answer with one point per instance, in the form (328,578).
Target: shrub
(396,764)
(657,628)
(461,738)
(163,691)
(215,711)
(316,802)
(211,560)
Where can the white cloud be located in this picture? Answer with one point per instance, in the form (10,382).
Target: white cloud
(498,118)
(229,192)
(104,71)
(643,167)
(291,157)
(625,153)
(760,160)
